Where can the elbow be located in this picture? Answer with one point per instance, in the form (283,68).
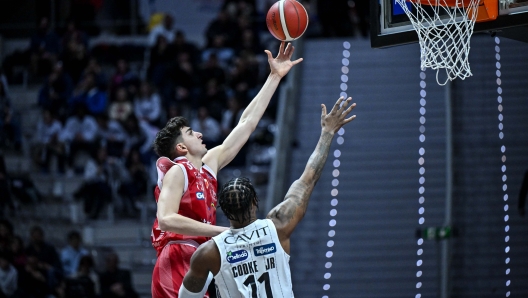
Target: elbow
(249,123)
(163,223)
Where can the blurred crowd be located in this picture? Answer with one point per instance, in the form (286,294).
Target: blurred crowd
(36,268)
(101,109)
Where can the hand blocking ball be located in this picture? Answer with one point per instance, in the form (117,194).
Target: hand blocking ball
(287,20)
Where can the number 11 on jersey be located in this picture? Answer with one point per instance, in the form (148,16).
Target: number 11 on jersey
(264,278)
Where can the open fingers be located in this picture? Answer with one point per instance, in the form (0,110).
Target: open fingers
(345,104)
(349,119)
(347,111)
(297,61)
(337,105)
(350,109)
(270,56)
(281,48)
(323,108)
(289,50)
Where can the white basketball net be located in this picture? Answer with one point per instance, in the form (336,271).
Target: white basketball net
(444,35)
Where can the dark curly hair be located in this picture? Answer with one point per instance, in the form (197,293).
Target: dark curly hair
(167,137)
(236,197)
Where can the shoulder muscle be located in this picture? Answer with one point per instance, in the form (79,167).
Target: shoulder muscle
(207,256)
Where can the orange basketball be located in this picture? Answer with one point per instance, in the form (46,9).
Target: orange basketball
(287,20)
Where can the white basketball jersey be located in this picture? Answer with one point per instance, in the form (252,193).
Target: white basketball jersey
(254,264)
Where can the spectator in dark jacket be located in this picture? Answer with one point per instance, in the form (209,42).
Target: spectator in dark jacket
(44,48)
(43,268)
(56,91)
(9,122)
(116,282)
(6,201)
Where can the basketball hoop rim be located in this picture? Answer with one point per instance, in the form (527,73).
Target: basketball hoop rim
(445,3)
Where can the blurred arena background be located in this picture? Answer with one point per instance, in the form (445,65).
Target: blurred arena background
(86,84)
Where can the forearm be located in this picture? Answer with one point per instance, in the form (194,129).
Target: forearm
(295,204)
(180,224)
(258,105)
(317,160)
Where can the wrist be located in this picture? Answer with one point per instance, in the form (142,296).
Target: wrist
(275,76)
(327,131)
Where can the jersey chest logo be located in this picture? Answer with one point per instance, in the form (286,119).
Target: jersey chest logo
(246,237)
(237,256)
(200,196)
(264,249)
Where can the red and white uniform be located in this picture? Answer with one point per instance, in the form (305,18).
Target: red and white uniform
(198,202)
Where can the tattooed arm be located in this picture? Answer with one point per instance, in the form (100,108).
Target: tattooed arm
(289,213)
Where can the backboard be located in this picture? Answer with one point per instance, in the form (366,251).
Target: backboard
(390,25)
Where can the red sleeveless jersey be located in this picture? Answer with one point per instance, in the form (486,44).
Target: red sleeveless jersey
(198,201)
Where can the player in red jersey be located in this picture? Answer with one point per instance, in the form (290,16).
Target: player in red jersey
(186,190)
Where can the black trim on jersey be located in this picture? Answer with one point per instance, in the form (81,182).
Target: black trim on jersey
(276,267)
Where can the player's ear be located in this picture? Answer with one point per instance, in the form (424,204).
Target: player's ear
(181,149)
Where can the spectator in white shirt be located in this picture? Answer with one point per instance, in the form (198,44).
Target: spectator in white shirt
(147,106)
(208,126)
(165,29)
(72,254)
(47,140)
(80,133)
(121,106)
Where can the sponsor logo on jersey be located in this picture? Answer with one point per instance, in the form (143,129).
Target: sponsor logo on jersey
(264,249)
(200,195)
(237,256)
(246,237)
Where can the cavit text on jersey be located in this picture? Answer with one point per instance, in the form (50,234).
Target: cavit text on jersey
(247,236)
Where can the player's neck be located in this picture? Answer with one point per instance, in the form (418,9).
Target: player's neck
(195,160)
(238,225)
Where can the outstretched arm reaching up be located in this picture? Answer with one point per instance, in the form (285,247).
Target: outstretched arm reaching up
(220,156)
(289,213)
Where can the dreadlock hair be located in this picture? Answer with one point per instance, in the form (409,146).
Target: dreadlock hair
(236,198)
(167,137)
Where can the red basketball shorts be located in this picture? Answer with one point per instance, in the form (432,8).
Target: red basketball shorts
(169,271)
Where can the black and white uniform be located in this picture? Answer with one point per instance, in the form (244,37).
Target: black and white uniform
(254,264)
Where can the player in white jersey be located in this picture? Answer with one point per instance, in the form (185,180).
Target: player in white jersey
(251,259)
(254,264)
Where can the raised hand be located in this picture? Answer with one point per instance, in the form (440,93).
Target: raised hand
(282,64)
(333,121)
(289,213)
